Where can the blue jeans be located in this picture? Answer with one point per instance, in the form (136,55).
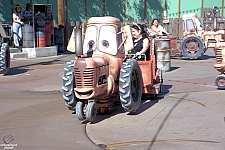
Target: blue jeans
(17,33)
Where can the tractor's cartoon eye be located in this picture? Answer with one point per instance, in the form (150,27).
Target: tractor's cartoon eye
(91,43)
(105,43)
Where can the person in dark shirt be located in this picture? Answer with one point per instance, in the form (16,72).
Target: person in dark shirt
(140,41)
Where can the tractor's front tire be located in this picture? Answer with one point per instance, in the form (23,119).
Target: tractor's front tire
(80,111)
(130,85)
(68,86)
(220,81)
(91,111)
(4,59)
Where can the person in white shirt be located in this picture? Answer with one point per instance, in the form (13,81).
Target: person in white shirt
(28,12)
(17,23)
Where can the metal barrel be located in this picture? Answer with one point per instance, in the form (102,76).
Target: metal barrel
(163,53)
(28,41)
(58,33)
(40,39)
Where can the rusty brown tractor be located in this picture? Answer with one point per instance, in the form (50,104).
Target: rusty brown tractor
(196,40)
(101,75)
(192,44)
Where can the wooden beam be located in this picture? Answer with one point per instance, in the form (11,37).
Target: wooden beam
(202,4)
(103,7)
(12,6)
(61,12)
(179,17)
(66,11)
(85,10)
(124,10)
(165,4)
(179,9)
(144,9)
(222,8)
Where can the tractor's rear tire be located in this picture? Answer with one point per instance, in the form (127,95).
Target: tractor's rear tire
(68,86)
(220,81)
(192,47)
(80,111)
(130,85)
(91,111)
(4,59)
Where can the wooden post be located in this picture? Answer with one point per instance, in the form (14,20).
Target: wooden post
(179,9)
(178,17)
(66,11)
(222,8)
(202,10)
(61,12)
(144,9)
(85,10)
(12,6)
(103,8)
(124,10)
(165,5)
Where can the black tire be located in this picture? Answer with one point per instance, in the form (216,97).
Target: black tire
(68,86)
(220,81)
(130,85)
(4,59)
(80,111)
(192,47)
(91,111)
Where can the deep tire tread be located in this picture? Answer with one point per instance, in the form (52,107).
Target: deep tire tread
(68,86)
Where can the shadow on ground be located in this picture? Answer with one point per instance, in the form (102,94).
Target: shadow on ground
(145,104)
(16,71)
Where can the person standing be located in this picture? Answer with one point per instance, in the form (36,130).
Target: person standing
(28,12)
(17,25)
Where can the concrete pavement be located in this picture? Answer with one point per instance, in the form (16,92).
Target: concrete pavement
(188,115)
(32,109)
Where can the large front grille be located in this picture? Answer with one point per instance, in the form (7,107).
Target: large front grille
(85,78)
(219,57)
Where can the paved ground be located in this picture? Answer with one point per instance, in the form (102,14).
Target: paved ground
(32,109)
(189,114)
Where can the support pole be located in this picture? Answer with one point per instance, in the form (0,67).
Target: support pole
(85,10)
(124,10)
(103,7)
(61,12)
(145,9)
(179,9)
(222,8)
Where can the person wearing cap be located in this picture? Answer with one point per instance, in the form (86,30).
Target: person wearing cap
(28,12)
(17,23)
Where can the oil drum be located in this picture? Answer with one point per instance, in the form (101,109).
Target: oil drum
(162,47)
(40,39)
(28,41)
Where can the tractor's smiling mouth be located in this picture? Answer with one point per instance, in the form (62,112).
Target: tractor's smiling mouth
(88,93)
